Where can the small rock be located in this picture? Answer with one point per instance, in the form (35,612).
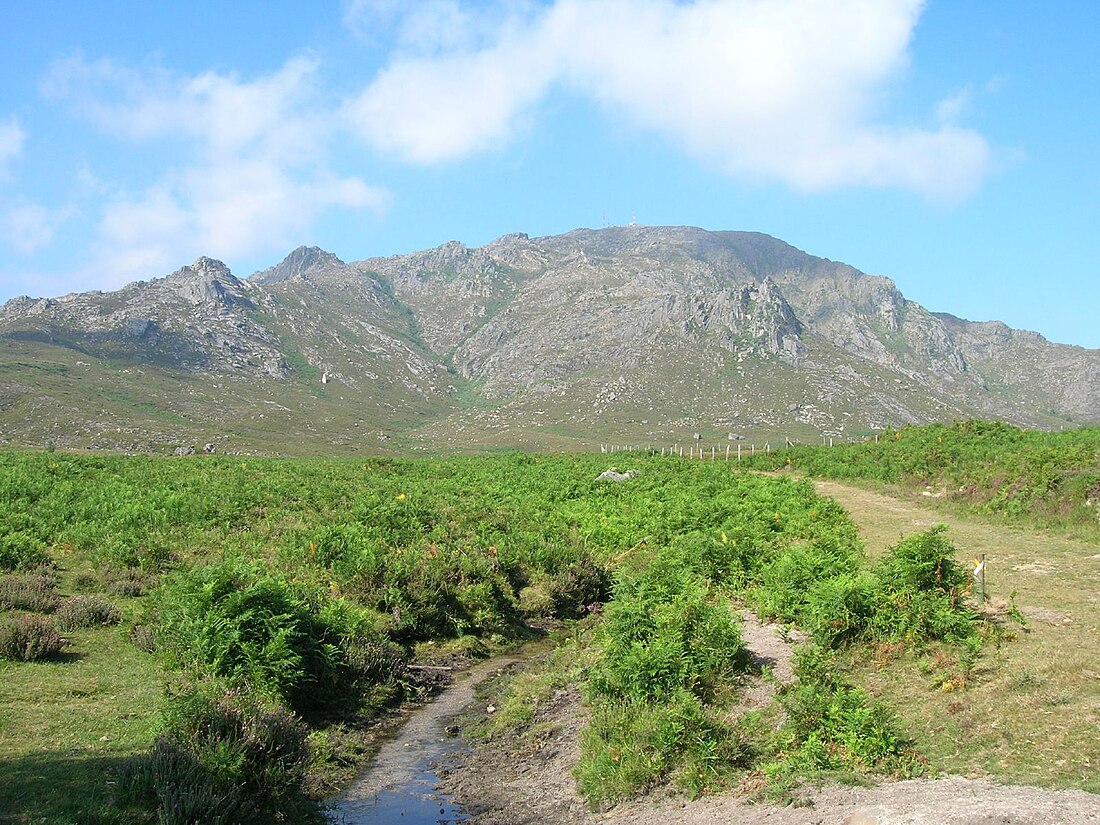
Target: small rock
(614,475)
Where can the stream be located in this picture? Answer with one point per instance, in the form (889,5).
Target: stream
(400,785)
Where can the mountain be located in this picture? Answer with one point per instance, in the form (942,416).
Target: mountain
(627,335)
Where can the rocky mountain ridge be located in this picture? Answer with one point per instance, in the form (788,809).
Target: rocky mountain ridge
(645,333)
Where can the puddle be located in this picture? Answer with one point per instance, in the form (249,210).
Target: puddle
(415,802)
(401,785)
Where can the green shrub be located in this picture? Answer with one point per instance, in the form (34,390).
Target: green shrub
(21,550)
(922,563)
(35,591)
(832,725)
(920,592)
(840,609)
(664,633)
(785,583)
(86,611)
(29,637)
(239,622)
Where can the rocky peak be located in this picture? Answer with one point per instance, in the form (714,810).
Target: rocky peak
(446,259)
(769,319)
(207,280)
(298,264)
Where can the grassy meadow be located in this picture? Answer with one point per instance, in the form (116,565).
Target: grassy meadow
(188,638)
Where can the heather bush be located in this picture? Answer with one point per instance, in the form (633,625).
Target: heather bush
(222,757)
(29,637)
(86,611)
(35,591)
(128,581)
(144,638)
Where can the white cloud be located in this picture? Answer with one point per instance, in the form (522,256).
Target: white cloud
(253,174)
(448,107)
(31,226)
(366,19)
(773,89)
(12,138)
(955,105)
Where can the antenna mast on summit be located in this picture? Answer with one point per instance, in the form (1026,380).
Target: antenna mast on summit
(633,218)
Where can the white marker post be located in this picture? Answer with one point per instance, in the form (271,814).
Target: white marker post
(979,578)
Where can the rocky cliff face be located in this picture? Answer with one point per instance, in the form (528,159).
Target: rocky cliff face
(652,329)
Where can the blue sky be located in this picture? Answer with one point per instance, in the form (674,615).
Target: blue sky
(952,146)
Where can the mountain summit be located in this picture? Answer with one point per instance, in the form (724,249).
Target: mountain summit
(630,335)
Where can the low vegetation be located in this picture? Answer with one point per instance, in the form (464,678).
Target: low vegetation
(269,602)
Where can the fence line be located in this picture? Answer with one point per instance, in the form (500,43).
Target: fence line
(697,451)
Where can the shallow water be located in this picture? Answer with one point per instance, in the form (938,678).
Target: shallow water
(415,802)
(400,786)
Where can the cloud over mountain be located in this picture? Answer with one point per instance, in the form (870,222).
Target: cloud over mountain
(772,90)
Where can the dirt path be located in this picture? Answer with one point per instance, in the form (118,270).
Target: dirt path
(505,784)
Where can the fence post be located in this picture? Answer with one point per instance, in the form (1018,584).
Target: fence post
(738,453)
(979,578)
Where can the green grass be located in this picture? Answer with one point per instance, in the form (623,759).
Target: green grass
(67,725)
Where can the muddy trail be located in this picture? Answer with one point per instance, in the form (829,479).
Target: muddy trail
(402,782)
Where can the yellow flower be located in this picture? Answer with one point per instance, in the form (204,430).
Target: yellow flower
(401,496)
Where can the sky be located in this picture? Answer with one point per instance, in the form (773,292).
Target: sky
(952,146)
